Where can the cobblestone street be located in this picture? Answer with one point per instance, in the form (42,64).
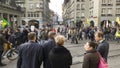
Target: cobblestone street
(78,51)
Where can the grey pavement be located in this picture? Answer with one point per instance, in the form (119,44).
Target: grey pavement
(78,51)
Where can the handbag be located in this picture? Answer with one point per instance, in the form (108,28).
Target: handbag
(102,62)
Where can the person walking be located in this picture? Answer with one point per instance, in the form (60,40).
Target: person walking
(43,34)
(47,46)
(91,33)
(59,56)
(103,45)
(2,41)
(30,53)
(91,57)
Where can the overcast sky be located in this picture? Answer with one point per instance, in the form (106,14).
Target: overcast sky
(56,6)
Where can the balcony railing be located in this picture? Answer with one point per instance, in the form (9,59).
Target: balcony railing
(103,15)
(107,4)
(109,15)
(117,3)
(82,8)
(78,9)
(117,15)
(91,7)
(104,4)
(110,4)
(82,16)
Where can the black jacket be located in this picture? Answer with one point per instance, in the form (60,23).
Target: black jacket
(103,48)
(60,57)
(91,59)
(48,45)
(30,55)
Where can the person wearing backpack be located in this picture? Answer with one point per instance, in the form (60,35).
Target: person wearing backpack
(91,57)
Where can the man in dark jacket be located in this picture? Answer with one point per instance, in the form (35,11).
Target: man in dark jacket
(48,45)
(103,46)
(2,41)
(30,53)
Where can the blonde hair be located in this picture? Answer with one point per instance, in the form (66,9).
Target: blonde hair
(60,39)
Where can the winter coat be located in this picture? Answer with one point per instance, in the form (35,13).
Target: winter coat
(91,59)
(60,57)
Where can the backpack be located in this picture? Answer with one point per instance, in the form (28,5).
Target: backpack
(102,62)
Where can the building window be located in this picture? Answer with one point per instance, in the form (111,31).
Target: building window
(78,13)
(37,14)
(78,0)
(103,15)
(31,6)
(91,4)
(82,6)
(117,15)
(78,6)
(24,15)
(117,10)
(109,1)
(117,0)
(109,10)
(103,1)
(28,14)
(103,11)
(32,14)
(82,14)
(90,13)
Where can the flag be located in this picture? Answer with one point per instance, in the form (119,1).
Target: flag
(5,23)
(88,22)
(118,20)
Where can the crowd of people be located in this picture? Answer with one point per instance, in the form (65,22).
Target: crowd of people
(87,33)
(47,46)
